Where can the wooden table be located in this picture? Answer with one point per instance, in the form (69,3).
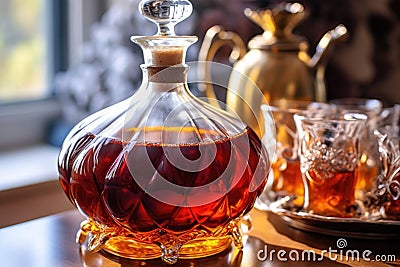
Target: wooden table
(50,241)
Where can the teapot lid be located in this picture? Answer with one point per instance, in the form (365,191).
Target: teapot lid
(278,24)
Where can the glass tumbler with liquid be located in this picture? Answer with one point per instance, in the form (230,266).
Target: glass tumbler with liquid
(369,159)
(388,186)
(285,178)
(329,158)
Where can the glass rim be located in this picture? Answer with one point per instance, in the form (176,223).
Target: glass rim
(295,106)
(332,117)
(358,104)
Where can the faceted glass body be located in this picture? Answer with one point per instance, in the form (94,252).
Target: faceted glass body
(161,170)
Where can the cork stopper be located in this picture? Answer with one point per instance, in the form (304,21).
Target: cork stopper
(165,48)
(168,57)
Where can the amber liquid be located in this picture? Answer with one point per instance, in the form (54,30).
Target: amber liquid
(367,173)
(333,196)
(288,179)
(100,176)
(366,177)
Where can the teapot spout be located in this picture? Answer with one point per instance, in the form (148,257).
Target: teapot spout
(316,62)
(338,33)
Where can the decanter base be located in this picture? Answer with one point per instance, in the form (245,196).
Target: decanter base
(195,244)
(199,248)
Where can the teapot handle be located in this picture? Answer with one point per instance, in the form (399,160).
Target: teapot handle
(215,38)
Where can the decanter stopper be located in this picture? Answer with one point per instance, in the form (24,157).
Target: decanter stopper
(165,13)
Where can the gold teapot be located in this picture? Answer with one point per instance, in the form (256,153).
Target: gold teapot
(277,65)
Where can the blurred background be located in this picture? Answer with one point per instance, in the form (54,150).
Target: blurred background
(61,60)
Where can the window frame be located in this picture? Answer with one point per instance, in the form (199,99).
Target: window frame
(26,123)
(24,126)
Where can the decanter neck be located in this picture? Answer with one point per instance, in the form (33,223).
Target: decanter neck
(165,74)
(163,51)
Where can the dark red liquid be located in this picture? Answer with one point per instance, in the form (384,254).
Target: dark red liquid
(121,183)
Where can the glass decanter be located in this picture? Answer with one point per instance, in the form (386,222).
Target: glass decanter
(163,173)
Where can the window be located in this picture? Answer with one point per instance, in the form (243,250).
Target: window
(27,41)
(38,38)
(22,49)
(33,34)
